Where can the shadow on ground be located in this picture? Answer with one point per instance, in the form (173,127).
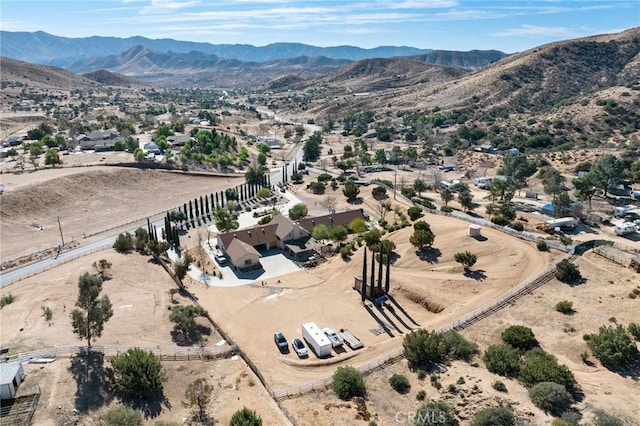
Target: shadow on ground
(94,381)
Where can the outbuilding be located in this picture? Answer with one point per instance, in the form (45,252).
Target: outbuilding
(11,375)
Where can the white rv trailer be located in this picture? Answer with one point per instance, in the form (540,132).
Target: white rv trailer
(316,339)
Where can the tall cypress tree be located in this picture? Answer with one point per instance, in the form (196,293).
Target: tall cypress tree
(201,206)
(186,212)
(195,201)
(148,226)
(373,275)
(380,273)
(176,238)
(387,281)
(190,210)
(363,289)
(215,206)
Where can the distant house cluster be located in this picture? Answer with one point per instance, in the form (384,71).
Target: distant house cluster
(242,246)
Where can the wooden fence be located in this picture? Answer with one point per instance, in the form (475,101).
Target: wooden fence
(164,353)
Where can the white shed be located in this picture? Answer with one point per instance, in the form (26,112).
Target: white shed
(475,231)
(11,375)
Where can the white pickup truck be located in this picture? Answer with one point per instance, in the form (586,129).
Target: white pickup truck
(333,337)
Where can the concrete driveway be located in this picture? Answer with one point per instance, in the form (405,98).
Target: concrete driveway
(274,263)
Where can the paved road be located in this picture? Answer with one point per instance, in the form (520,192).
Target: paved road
(42,265)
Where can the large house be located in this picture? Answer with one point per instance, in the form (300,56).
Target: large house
(242,246)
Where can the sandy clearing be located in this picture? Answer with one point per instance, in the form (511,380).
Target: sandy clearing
(252,313)
(88,201)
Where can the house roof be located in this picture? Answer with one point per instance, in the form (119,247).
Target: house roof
(8,371)
(102,134)
(342,218)
(254,236)
(178,139)
(285,226)
(238,250)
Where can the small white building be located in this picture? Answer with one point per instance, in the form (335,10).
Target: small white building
(11,375)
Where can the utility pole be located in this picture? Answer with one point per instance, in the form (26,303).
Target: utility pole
(395,179)
(60,228)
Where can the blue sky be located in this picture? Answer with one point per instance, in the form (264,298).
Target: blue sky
(507,25)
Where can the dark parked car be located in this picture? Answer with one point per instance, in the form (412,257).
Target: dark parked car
(281,341)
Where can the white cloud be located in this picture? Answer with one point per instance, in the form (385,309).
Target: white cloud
(168,6)
(536,31)
(422,4)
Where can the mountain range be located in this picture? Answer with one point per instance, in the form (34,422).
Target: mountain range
(46,49)
(582,91)
(174,63)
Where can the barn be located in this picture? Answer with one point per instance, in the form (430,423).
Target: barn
(11,375)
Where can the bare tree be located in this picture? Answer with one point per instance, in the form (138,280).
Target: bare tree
(383,207)
(436,175)
(329,203)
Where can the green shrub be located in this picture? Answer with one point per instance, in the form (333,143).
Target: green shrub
(400,383)
(567,272)
(612,346)
(348,382)
(539,366)
(345,252)
(500,220)
(414,212)
(47,313)
(495,416)
(446,209)
(422,374)
(245,417)
(379,192)
(502,359)
(435,413)
(542,245)
(550,397)
(458,347)
(499,386)
(460,381)
(124,243)
(634,329)
(518,226)
(452,388)
(121,416)
(565,240)
(422,346)
(5,300)
(408,192)
(519,337)
(421,395)
(602,418)
(564,307)
(138,372)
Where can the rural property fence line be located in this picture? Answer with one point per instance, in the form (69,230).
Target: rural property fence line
(478,314)
(4,282)
(164,353)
